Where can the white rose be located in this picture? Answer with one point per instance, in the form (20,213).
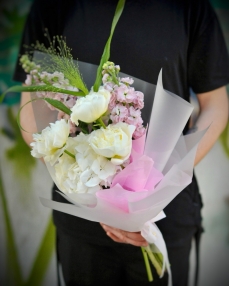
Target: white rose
(50,143)
(114,142)
(91,107)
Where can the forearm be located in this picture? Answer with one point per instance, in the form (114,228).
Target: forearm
(213,113)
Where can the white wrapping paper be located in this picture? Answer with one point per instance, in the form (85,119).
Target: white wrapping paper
(173,154)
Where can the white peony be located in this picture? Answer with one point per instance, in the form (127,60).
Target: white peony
(91,107)
(114,142)
(66,173)
(50,143)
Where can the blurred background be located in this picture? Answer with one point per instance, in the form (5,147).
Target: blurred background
(27,238)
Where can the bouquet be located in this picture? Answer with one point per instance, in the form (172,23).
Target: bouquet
(111,167)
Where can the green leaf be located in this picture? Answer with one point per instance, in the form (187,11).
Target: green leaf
(43,256)
(13,259)
(34,88)
(84,127)
(106,53)
(59,105)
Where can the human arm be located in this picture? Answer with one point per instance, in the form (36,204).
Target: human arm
(213,114)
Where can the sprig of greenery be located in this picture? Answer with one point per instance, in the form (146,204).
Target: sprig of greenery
(58,57)
(106,53)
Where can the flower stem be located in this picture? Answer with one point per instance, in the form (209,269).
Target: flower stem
(159,258)
(101,123)
(114,78)
(148,269)
(70,154)
(153,260)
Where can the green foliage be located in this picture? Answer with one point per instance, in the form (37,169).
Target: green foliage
(59,105)
(19,154)
(12,19)
(12,256)
(224,139)
(43,256)
(84,127)
(58,57)
(41,261)
(106,53)
(23,163)
(33,88)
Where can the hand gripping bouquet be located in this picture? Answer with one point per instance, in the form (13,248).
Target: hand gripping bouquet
(109,166)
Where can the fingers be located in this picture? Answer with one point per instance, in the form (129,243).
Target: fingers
(122,236)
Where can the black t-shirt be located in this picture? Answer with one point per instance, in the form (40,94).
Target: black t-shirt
(182,37)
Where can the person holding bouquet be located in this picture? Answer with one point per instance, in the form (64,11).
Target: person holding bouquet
(183,38)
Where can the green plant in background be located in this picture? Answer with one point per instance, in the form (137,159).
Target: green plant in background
(19,154)
(23,163)
(12,18)
(222,10)
(224,139)
(13,14)
(41,261)
(13,265)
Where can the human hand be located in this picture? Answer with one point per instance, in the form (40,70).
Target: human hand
(122,236)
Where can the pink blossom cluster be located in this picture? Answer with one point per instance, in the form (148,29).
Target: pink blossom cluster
(125,103)
(56,79)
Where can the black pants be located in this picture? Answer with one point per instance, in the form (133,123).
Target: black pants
(89,257)
(86,263)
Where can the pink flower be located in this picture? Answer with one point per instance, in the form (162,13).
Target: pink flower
(121,92)
(139,132)
(134,117)
(109,86)
(127,80)
(112,102)
(138,100)
(119,113)
(131,95)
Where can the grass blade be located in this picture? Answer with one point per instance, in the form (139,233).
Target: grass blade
(34,88)
(106,53)
(59,105)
